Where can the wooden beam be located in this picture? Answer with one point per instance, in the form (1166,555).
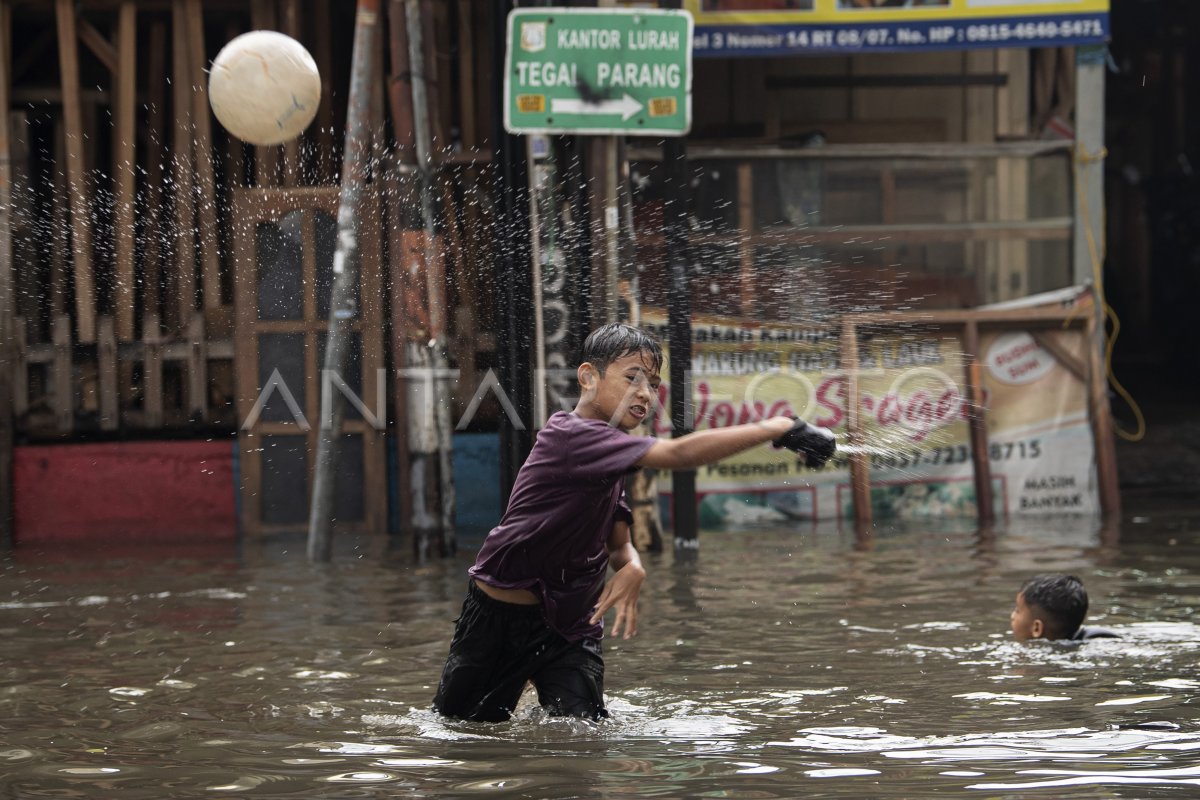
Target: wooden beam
(1100,414)
(20,374)
(106,366)
(939,151)
(290,24)
(266,159)
(197,369)
(182,162)
(101,48)
(124,170)
(326,156)
(872,236)
(8,361)
(745,211)
(977,425)
(79,199)
(860,465)
(1069,361)
(64,378)
(466,72)
(206,208)
(155,242)
(152,375)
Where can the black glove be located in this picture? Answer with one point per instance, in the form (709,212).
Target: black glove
(817,444)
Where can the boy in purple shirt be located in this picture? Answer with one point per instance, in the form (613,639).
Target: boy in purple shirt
(537,595)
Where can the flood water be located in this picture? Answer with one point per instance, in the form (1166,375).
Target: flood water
(773,663)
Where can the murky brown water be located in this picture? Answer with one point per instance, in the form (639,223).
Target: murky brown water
(774,663)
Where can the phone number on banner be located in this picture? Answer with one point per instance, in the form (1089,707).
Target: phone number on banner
(763,40)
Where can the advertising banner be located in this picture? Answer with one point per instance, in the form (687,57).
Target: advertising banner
(726,28)
(914,415)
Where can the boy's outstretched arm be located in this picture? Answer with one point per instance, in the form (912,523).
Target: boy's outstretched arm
(621,591)
(705,447)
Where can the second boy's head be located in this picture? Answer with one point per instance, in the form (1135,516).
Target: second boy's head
(1049,607)
(619,375)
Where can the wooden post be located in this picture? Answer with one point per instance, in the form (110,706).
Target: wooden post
(20,373)
(860,465)
(977,423)
(8,362)
(152,381)
(184,301)
(266,159)
(197,369)
(290,25)
(106,366)
(745,208)
(206,201)
(466,72)
(61,220)
(124,164)
(79,196)
(1089,257)
(1100,415)
(64,383)
(156,75)
(326,166)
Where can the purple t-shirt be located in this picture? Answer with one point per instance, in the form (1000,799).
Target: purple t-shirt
(553,537)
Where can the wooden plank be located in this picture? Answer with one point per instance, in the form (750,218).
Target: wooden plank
(153,235)
(860,465)
(1048,316)
(1047,341)
(206,208)
(79,196)
(1102,424)
(20,371)
(101,48)
(64,383)
(745,210)
(397,282)
(182,155)
(235,149)
(467,77)
(152,374)
(245,304)
(106,366)
(28,293)
(937,151)
(124,167)
(266,159)
(373,363)
(1046,229)
(9,346)
(197,369)
(290,24)
(326,157)
(977,425)
(314,358)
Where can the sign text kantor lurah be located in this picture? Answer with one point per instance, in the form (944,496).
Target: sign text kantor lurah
(598,71)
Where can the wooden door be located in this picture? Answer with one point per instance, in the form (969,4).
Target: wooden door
(283,271)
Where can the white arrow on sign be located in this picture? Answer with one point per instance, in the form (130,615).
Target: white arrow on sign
(626,106)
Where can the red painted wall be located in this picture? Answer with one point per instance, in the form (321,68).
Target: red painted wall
(124,490)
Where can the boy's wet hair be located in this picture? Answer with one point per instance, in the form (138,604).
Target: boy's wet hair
(615,340)
(1061,598)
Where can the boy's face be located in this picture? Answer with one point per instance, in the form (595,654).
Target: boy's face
(1026,624)
(624,395)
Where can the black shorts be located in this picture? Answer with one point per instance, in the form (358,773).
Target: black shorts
(498,646)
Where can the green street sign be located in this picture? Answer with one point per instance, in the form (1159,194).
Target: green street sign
(602,71)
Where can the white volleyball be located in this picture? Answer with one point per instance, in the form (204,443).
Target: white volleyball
(264,87)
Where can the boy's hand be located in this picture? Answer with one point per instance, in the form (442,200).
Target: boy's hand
(817,444)
(621,593)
